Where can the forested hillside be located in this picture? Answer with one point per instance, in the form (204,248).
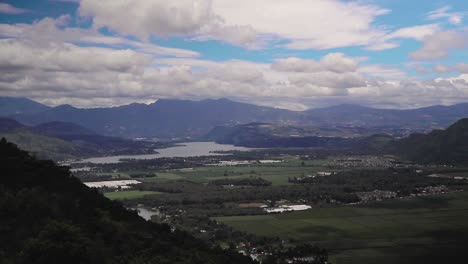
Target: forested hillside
(48,216)
(449,146)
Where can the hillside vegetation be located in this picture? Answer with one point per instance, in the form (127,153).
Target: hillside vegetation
(448,146)
(49,216)
(63,140)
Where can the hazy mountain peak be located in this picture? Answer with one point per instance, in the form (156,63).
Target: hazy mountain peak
(19,105)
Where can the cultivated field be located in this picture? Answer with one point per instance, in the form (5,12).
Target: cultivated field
(278,173)
(418,230)
(128,194)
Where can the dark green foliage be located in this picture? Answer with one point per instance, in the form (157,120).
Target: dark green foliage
(49,216)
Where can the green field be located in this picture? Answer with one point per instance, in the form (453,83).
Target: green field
(418,230)
(277,173)
(161,177)
(128,194)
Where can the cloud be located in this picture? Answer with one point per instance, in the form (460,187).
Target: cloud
(455,18)
(47,30)
(65,57)
(149,17)
(462,67)
(90,76)
(335,62)
(382,72)
(439,44)
(11,10)
(318,24)
(442,68)
(161,18)
(244,23)
(390,40)
(97,76)
(47,61)
(54,72)
(309,23)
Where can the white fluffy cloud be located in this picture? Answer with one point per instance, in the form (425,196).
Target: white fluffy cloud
(91,76)
(309,23)
(64,57)
(161,18)
(335,62)
(318,24)
(149,17)
(439,44)
(46,60)
(58,71)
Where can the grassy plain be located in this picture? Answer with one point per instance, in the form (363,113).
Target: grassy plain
(128,194)
(277,173)
(417,230)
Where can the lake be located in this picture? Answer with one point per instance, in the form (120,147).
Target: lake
(188,149)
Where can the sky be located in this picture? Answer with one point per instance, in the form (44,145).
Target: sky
(292,54)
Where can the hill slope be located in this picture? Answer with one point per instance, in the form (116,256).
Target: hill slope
(264,135)
(8,124)
(63,140)
(48,216)
(448,146)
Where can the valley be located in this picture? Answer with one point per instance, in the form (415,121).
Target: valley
(233,132)
(352,203)
(279,191)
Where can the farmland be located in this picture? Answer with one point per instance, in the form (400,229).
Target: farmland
(277,173)
(388,232)
(128,194)
(342,190)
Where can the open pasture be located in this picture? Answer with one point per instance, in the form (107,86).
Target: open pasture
(417,230)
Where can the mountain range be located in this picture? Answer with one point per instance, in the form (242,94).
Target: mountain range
(169,118)
(449,146)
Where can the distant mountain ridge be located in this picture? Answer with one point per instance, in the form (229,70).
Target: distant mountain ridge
(63,140)
(261,135)
(426,118)
(164,118)
(449,146)
(17,105)
(171,118)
